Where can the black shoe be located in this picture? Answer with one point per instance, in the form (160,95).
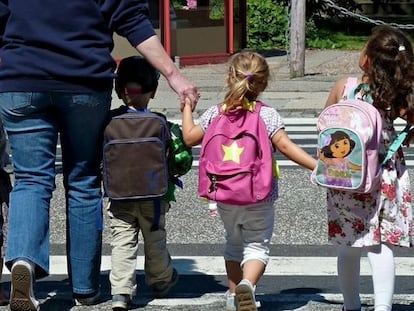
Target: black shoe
(88,300)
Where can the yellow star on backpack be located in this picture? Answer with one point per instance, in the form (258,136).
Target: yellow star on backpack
(232,152)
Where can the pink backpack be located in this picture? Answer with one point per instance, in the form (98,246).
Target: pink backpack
(349,141)
(236,158)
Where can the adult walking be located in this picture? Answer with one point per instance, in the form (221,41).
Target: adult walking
(56,76)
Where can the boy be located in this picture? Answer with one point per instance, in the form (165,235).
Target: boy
(135,84)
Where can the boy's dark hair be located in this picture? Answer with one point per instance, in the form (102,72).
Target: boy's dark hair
(136,69)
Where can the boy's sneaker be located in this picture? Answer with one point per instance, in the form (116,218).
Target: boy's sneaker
(120,302)
(88,300)
(161,289)
(21,295)
(245,298)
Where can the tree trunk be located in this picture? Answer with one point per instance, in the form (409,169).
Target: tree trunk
(297,38)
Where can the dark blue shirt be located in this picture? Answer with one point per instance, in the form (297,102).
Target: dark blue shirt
(65,45)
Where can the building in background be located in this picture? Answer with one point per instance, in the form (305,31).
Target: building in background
(195,31)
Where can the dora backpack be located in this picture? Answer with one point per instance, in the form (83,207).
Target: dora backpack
(349,142)
(236,158)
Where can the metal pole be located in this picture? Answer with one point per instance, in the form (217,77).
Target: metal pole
(229,22)
(166,25)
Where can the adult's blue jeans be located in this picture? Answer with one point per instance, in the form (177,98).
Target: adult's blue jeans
(32,122)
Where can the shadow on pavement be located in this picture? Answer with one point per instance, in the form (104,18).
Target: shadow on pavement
(400,307)
(272,52)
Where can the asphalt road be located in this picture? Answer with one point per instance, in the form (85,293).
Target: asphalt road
(299,250)
(301,274)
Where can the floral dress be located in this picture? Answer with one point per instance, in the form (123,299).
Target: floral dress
(384,215)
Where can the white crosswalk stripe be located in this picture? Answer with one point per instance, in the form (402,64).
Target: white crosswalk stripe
(278,266)
(300,130)
(303,132)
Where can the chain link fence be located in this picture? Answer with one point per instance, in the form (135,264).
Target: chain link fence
(365,19)
(346,12)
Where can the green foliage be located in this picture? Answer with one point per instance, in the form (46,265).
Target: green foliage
(326,38)
(216,9)
(267,24)
(338,40)
(178,4)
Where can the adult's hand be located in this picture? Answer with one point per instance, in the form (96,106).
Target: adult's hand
(184,88)
(154,52)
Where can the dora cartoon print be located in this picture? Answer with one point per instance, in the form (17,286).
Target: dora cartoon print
(339,163)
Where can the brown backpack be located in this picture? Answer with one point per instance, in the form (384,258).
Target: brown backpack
(135,163)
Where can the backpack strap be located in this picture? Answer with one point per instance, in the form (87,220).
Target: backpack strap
(397,142)
(157,214)
(355,90)
(251,106)
(349,88)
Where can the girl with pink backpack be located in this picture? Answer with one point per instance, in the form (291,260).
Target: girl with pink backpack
(249,220)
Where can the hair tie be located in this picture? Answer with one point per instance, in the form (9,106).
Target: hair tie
(327,140)
(401,48)
(249,77)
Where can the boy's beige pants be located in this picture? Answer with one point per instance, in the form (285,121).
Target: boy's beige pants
(127,219)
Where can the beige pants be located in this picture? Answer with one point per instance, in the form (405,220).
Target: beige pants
(126,220)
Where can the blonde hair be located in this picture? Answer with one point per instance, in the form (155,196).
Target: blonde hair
(247,77)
